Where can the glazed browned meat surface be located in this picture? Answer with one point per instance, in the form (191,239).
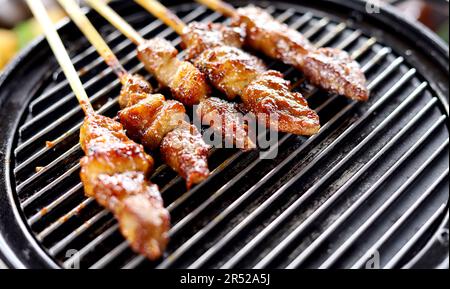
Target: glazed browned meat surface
(186,83)
(334,71)
(150,118)
(199,37)
(184,149)
(134,90)
(225,118)
(229,69)
(113,172)
(330,69)
(270,95)
(237,73)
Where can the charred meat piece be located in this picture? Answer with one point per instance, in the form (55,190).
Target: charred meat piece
(270,99)
(135,89)
(186,83)
(225,118)
(330,69)
(108,149)
(199,37)
(113,172)
(185,151)
(151,119)
(334,71)
(273,38)
(229,69)
(138,206)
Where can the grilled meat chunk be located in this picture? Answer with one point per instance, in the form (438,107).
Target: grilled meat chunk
(270,99)
(186,83)
(151,119)
(135,89)
(229,69)
(330,69)
(113,172)
(199,37)
(138,206)
(225,118)
(108,150)
(275,39)
(334,71)
(185,151)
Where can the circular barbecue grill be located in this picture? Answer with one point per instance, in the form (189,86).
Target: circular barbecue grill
(371,186)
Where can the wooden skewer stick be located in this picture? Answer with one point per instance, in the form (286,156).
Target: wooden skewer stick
(115,19)
(163,14)
(81,20)
(219,6)
(61,55)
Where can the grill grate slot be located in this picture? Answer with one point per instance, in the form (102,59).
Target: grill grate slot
(250,212)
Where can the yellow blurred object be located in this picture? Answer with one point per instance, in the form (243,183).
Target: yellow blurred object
(11,41)
(9,44)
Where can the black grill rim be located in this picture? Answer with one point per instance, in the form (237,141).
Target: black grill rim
(19,249)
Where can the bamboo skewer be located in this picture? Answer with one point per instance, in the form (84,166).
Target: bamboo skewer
(83,23)
(219,6)
(61,54)
(163,14)
(109,14)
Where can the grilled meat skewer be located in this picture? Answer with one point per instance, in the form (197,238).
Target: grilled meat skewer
(328,68)
(114,169)
(185,81)
(114,172)
(212,48)
(149,117)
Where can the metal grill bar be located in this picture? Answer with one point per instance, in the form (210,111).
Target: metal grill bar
(110,256)
(69,132)
(319,240)
(286,15)
(69,238)
(411,242)
(338,29)
(320,25)
(301,21)
(45,169)
(50,229)
(338,253)
(36,217)
(95,242)
(401,221)
(50,186)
